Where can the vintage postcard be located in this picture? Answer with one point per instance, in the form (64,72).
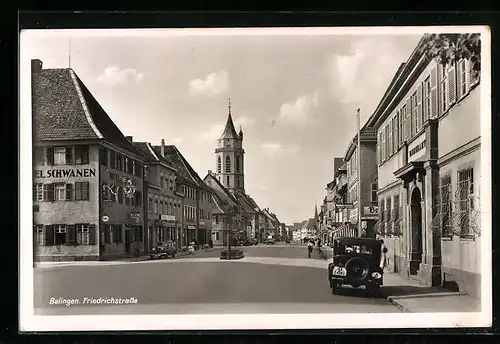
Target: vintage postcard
(271,178)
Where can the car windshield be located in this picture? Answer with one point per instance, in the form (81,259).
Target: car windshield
(354,249)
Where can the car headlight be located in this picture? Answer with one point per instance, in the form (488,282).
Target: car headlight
(377,275)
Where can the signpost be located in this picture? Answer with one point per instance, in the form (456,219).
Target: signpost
(105,218)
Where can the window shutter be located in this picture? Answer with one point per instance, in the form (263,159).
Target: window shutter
(473,78)
(92,234)
(71,234)
(49,235)
(389,136)
(50,192)
(50,155)
(433,93)
(452,85)
(460,66)
(69,155)
(401,127)
(408,120)
(69,192)
(419,108)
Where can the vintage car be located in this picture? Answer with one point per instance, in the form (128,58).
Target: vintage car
(163,250)
(357,262)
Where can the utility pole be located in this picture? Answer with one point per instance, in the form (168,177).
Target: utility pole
(359,173)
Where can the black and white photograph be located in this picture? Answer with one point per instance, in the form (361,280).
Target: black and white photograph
(255,178)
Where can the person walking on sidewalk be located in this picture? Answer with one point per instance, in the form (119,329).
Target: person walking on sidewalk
(384,254)
(309,248)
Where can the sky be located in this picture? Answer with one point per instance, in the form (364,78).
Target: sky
(295,96)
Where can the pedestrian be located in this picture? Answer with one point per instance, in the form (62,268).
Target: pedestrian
(384,254)
(309,248)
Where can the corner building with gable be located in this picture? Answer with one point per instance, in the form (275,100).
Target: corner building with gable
(87,176)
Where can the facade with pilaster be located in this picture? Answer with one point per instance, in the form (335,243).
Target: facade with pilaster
(428,152)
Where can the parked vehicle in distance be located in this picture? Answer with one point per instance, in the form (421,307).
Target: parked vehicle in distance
(163,250)
(357,262)
(269,241)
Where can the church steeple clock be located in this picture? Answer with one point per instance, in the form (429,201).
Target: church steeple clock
(230,156)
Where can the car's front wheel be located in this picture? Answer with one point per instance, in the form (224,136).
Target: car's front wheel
(334,287)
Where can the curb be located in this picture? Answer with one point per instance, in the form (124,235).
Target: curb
(399,306)
(417,296)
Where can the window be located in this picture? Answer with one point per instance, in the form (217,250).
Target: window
(60,234)
(228,164)
(427,99)
(40,237)
(81,155)
(465,191)
(227,181)
(119,162)
(81,191)
(161,182)
(59,155)
(62,192)
(374,188)
(445,205)
(120,195)
(219,164)
(48,192)
(396,208)
(112,159)
(150,205)
(103,156)
(117,234)
(237,164)
(37,192)
(82,234)
(388,207)
(155,209)
(237,183)
(386,142)
(129,166)
(138,198)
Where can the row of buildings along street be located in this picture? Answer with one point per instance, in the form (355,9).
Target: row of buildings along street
(98,194)
(419,176)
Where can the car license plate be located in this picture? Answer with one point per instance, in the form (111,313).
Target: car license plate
(338,271)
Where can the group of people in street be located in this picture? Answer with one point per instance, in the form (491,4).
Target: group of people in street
(310,246)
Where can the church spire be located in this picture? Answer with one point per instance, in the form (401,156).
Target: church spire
(229,131)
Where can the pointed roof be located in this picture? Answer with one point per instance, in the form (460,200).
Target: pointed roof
(229,131)
(64,109)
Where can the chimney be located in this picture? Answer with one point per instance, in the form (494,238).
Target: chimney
(162,152)
(36,66)
(210,172)
(130,138)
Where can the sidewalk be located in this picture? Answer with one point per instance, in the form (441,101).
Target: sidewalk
(123,260)
(411,297)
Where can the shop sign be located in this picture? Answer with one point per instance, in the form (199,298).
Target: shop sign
(202,223)
(135,215)
(66,173)
(167,217)
(370,210)
(191,227)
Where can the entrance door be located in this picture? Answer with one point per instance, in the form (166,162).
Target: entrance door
(416,231)
(128,239)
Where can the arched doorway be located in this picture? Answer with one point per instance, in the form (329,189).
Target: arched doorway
(416,230)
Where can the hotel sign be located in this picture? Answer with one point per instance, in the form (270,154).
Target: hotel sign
(167,217)
(66,173)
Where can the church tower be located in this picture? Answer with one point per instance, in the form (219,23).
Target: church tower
(229,157)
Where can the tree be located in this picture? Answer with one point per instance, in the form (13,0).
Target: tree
(446,48)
